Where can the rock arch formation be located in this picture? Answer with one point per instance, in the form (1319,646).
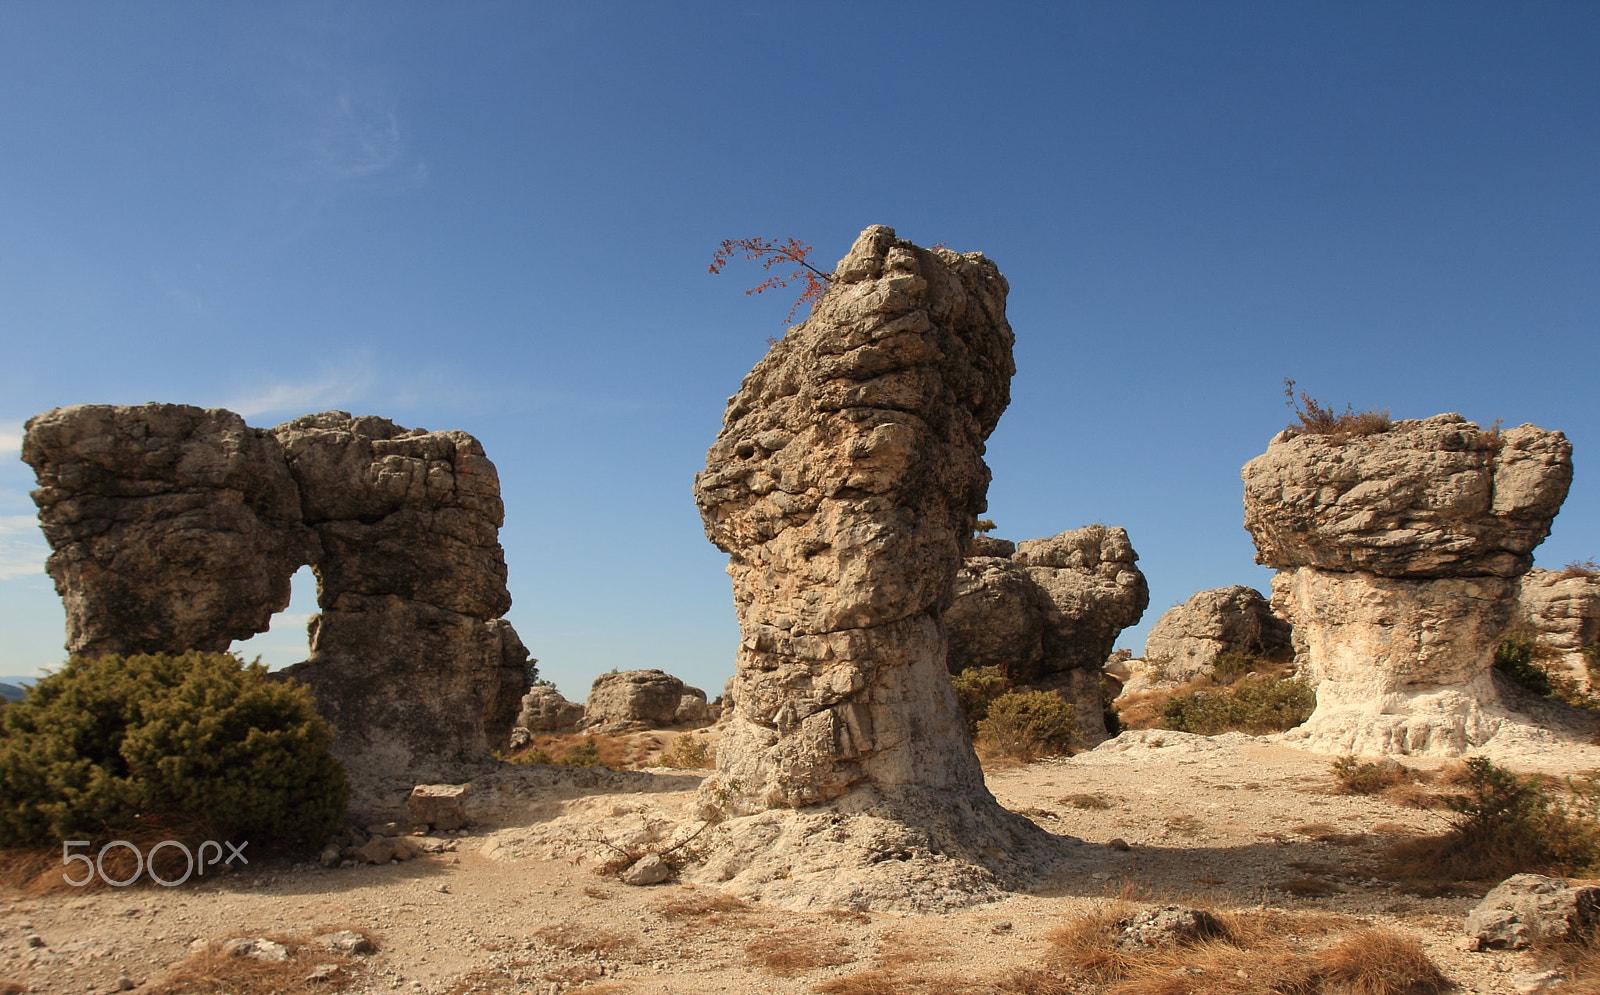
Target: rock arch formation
(174,527)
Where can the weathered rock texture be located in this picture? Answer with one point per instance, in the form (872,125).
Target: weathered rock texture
(1048,612)
(1187,640)
(1561,609)
(845,484)
(1397,556)
(1525,909)
(544,710)
(176,528)
(650,697)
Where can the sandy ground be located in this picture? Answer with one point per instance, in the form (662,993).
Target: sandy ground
(1231,821)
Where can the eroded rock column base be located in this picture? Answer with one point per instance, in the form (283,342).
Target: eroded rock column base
(1399,665)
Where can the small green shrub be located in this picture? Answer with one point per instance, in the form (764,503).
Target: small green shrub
(1516,658)
(1254,704)
(976,689)
(109,744)
(1229,667)
(1025,725)
(1109,713)
(1506,824)
(689,753)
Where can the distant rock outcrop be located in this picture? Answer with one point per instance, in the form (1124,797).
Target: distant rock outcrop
(175,528)
(1048,611)
(1561,608)
(544,711)
(845,485)
(649,697)
(1186,640)
(1397,559)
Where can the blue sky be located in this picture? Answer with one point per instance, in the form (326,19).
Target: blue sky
(497,217)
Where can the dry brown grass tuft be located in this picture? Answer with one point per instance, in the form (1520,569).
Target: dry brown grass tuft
(887,982)
(1088,944)
(1580,568)
(212,970)
(577,939)
(701,904)
(790,952)
(1085,801)
(11,988)
(587,750)
(1378,962)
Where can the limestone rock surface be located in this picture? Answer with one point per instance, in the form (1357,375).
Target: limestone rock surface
(1561,608)
(171,527)
(1526,908)
(844,486)
(1187,640)
(176,528)
(650,697)
(545,710)
(1435,497)
(1053,605)
(1397,559)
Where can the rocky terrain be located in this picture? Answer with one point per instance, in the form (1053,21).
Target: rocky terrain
(522,905)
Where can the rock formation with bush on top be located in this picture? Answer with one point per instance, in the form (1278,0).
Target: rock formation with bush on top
(1398,555)
(1047,612)
(174,528)
(845,485)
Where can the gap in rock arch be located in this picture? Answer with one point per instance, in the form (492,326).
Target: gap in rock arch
(285,642)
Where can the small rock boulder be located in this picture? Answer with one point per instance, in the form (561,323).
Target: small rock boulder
(649,869)
(544,710)
(650,697)
(347,941)
(1188,639)
(1168,925)
(256,948)
(1528,907)
(441,806)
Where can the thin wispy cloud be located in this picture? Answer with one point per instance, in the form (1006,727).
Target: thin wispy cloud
(356,140)
(22,547)
(329,389)
(10,438)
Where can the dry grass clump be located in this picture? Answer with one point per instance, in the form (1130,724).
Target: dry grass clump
(1378,962)
(1314,419)
(1580,568)
(1244,692)
(790,952)
(702,905)
(212,970)
(885,982)
(1258,954)
(585,750)
(1085,801)
(1394,782)
(577,939)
